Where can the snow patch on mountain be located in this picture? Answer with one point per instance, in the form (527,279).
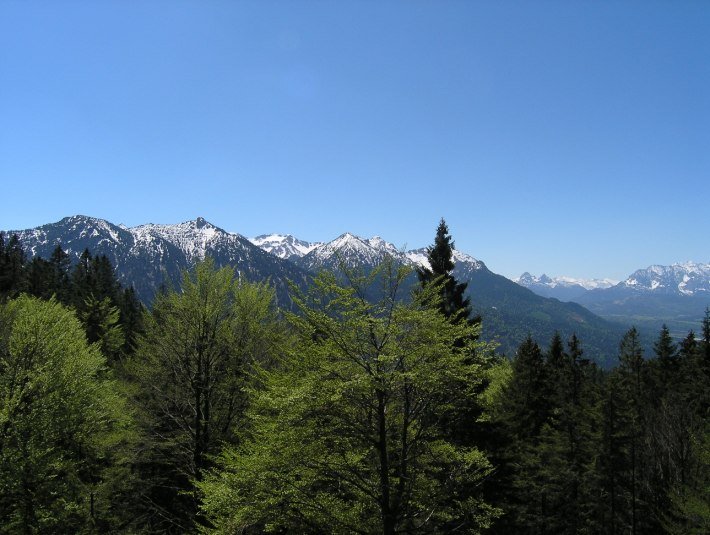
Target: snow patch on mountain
(351,250)
(687,278)
(193,238)
(284,245)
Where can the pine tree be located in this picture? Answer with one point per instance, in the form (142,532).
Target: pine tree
(688,346)
(689,367)
(12,263)
(524,408)
(632,372)
(453,302)
(666,364)
(130,319)
(705,342)
(612,463)
(38,274)
(60,265)
(567,439)
(101,321)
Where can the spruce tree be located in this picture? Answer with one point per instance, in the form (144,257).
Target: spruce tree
(60,265)
(12,263)
(441,265)
(666,364)
(705,343)
(633,374)
(524,408)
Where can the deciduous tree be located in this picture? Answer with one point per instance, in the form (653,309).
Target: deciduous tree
(346,432)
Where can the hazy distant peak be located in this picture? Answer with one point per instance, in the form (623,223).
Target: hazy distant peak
(528,280)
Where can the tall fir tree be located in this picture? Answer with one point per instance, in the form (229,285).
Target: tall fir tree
(633,381)
(665,367)
(524,407)
(441,266)
(12,263)
(705,342)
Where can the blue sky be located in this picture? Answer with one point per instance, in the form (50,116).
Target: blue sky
(571,138)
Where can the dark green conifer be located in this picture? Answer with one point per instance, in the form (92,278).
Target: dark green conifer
(666,364)
(633,380)
(440,255)
(705,343)
(60,264)
(12,263)
(688,346)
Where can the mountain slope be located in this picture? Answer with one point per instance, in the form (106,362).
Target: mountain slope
(348,250)
(510,312)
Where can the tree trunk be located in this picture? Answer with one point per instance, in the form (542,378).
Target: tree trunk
(385,506)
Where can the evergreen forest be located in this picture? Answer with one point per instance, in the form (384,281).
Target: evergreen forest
(367,408)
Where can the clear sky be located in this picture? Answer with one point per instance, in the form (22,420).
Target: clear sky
(571,138)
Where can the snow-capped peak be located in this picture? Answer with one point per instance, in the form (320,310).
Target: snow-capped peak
(687,278)
(192,237)
(284,245)
(383,245)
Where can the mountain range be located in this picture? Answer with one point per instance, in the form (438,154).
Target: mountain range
(562,288)
(149,256)
(676,295)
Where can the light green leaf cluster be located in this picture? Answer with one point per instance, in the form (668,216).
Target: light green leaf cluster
(346,433)
(59,414)
(191,370)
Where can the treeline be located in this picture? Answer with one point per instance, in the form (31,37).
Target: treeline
(216,412)
(625,451)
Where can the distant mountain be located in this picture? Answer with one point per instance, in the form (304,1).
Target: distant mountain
(148,256)
(689,279)
(562,288)
(676,295)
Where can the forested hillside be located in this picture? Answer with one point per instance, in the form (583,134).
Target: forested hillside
(216,411)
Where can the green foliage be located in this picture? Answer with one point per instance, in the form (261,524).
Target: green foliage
(101,321)
(690,512)
(61,417)
(346,434)
(191,368)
